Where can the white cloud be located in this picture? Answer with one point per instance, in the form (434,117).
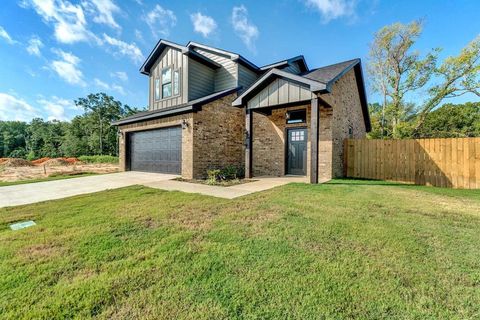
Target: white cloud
(105,86)
(244,28)
(34,45)
(68,19)
(105,9)
(204,25)
(160,21)
(119,75)
(4,34)
(332,9)
(67,68)
(55,107)
(127,49)
(101,84)
(17,109)
(119,89)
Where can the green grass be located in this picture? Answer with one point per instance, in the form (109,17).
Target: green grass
(49,178)
(98,159)
(348,249)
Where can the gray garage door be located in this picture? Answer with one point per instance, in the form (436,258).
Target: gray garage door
(156,150)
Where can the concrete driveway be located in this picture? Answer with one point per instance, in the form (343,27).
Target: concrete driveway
(57,189)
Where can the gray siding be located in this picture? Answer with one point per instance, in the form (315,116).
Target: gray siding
(201,80)
(175,58)
(226,76)
(246,77)
(292,68)
(280,91)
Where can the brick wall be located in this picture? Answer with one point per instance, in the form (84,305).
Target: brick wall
(187,139)
(218,136)
(269,134)
(214,137)
(346,112)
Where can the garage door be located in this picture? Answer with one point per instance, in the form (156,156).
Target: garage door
(156,150)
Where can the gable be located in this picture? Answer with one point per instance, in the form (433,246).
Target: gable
(280,91)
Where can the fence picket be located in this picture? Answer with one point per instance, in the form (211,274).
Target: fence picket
(451,162)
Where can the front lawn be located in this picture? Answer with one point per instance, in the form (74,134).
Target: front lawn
(348,249)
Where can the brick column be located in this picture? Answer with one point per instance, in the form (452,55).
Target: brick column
(248,142)
(314,141)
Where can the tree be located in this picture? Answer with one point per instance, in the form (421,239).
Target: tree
(100,111)
(397,70)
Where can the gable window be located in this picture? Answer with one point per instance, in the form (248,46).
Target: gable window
(157,89)
(296,116)
(166,83)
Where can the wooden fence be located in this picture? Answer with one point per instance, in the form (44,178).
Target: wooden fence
(453,162)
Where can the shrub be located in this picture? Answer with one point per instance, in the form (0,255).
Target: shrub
(213,176)
(227,173)
(98,159)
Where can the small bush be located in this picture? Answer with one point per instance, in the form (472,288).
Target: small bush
(213,176)
(98,159)
(227,173)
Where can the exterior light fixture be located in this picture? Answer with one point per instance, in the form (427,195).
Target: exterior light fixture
(184,124)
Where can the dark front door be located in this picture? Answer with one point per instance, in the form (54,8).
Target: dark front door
(156,150)
(297,151)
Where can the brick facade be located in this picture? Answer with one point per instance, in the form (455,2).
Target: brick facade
(215,135)
(213,138)
(218,136)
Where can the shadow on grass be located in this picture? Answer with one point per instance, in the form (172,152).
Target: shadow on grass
(457,193)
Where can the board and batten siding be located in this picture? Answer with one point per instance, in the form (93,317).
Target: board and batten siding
(280,91)
(226,75)
(174,58)
(246,77)
(201,80)
(292,68)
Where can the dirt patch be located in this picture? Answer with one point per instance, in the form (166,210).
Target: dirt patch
(10,174)
(40,251)
(56,162)
(15,163)
(223,183)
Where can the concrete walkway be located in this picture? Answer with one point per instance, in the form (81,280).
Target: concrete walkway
(262,183)
(58,189)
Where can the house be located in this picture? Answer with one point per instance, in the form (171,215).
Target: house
(209,108)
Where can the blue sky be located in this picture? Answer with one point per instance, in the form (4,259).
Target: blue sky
(54,51)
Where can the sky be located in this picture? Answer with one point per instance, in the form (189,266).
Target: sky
(55,51)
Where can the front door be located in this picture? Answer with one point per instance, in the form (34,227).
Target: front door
(297,151)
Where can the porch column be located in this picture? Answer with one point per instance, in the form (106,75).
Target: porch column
(314,141)
(248,142)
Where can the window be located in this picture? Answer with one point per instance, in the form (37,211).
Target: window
(176,82)
(157,89)
(166,83)
(296,116)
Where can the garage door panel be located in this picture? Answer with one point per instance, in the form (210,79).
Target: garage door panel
(156,150)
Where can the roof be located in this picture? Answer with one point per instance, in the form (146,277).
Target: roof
(234,56)
(329,74)
(300,59)
(313,85)
(190,106)
(162,44)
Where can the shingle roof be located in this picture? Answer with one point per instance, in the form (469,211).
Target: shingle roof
(330,73)
(182,108)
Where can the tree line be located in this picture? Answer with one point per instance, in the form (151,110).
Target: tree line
(86,134)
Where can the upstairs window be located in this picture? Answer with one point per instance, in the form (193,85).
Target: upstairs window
(166,83)
(176,83)
(157,89)
(296,116)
